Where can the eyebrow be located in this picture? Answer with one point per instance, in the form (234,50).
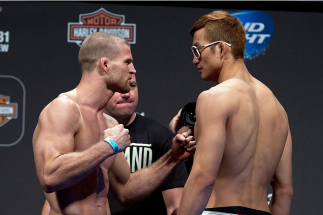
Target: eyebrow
(197,44)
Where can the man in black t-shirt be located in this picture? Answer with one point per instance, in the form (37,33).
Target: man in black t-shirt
(149,141)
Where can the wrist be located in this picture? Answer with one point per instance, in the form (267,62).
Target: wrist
(173,157)
(113,144)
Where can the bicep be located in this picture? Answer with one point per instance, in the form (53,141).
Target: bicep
(54,135)
(119,174)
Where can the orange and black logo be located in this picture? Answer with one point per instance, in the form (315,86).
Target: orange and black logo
(12,110)
(100,21)
(8,110)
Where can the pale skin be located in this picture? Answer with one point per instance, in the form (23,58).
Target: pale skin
(243,139)
(74,166)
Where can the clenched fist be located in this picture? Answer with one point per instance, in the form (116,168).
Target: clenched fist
(120,135)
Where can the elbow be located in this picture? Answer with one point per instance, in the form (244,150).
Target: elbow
(48,184)
(206,180)
(126,202)
(283,189)
(286,193)
(289,192)
(123,199)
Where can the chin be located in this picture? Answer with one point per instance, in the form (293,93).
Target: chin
(123,89)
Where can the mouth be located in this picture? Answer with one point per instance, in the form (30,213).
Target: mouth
(199,69)
(124,105)
(125,101)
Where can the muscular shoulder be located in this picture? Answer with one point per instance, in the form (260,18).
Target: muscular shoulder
(61,112)
(218,96)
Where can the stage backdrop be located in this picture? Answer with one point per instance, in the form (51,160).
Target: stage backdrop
(39,44)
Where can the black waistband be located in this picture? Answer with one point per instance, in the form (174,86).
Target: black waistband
(238,210)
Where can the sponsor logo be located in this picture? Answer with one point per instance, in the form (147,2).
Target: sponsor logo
(12,118)
(8,110)
(259,28)
(100,21)
(4,41)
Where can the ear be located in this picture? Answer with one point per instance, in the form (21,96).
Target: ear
(224,49)
(104,64)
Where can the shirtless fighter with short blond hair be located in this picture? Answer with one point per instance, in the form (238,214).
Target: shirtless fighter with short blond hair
(78,150)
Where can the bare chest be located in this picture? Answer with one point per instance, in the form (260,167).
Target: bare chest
(91,129)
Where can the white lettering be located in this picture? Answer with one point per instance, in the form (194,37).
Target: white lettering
(81,32)
(148,156)
(256,27)
(246,26)
(127,154)
(125,33)
(93,30)
(4,36)
(6,110)
(4,47)
(136,158)
(252,38)
(262,37)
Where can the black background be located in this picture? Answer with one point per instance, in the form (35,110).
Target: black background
(40,56)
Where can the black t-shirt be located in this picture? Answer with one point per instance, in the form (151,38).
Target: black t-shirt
(149,141)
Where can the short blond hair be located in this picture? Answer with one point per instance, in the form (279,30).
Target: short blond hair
(99,45)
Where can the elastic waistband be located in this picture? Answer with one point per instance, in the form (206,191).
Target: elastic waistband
(235,210)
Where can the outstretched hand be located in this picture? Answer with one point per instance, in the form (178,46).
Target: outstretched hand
(183,146)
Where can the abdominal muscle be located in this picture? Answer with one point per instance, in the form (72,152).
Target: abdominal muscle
(88,196)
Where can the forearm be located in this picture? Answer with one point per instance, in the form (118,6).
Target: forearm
(196,194)
(67,169)
(281,202)
(143,182)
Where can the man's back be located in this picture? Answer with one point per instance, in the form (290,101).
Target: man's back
(242,134)
(256,132)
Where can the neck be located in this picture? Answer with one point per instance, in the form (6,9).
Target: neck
(232,69)
(92,91)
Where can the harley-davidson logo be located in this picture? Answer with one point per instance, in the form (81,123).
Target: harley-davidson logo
(100,21)
(8,110)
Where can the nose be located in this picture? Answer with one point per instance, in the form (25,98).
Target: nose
(125,95)
(195,60)
(132,69)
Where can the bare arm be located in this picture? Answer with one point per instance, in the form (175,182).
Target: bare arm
(172,198)
(282,182)
(57,165)
(210,138)
(129,189)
